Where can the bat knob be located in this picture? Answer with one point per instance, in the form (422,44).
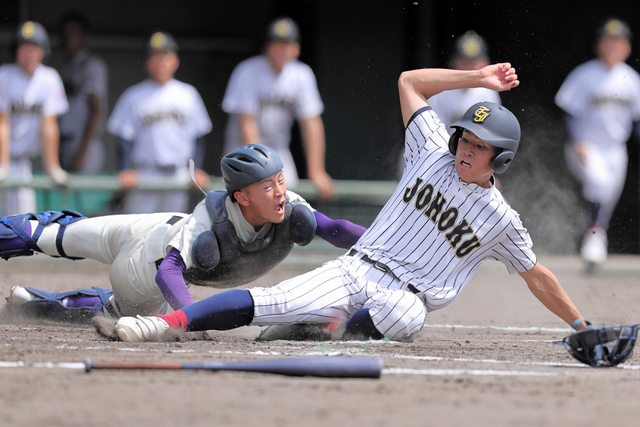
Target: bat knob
(88,364)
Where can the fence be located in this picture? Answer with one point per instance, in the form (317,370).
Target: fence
(358,201)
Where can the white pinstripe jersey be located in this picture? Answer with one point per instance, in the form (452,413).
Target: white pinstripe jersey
(436,229)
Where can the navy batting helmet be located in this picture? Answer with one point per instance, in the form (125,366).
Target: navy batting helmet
(614,27)
(161,40)
(283,29)
(32,32)
(470,46)
(493,124)
(247,165)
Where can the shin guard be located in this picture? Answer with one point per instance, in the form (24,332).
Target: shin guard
(16,238)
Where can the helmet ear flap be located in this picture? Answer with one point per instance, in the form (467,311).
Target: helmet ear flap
(502,161)
(453,140)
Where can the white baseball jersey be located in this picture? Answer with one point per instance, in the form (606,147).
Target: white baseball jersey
(26,99)
(84,75)
(433,234)
(162,122)
(132,244)
(275,100)
(451,105)
(603,103)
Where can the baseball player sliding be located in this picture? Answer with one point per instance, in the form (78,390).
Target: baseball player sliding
(443,220)
(232,237)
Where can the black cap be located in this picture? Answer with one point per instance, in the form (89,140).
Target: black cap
(614,27)
(161,40)
(283,29)
(470,46)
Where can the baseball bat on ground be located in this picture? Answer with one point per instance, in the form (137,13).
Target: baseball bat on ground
(330,367)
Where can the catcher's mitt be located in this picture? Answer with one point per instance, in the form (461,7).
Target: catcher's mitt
(604,346)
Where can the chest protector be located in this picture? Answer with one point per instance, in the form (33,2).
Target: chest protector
(223,260)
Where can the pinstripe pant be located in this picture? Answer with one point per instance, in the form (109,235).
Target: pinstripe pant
(335,291)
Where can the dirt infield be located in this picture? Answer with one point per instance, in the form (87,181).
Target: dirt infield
(488,359)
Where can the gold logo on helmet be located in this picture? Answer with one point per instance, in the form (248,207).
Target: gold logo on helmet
(283,28)
(613,28)
(471,47)
(28,30)
(158,41)
(481,114)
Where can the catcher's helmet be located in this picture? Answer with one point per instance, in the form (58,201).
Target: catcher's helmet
(31,32)
(493,124)
(604,346)
(247,165)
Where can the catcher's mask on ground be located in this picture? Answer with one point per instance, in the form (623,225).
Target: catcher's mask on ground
(604,346)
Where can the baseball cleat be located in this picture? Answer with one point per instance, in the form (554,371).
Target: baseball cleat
(594,245)
(18,296)
(139,328)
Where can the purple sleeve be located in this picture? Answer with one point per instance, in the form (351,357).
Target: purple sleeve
(170,281)
(339,232)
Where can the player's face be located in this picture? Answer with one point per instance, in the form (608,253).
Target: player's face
(263,201)
(73,36)
(162,65)
(469,64)
(612,50)
(473,160)
(28,56)
(281,52)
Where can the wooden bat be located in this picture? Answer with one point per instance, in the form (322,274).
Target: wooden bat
(330,367)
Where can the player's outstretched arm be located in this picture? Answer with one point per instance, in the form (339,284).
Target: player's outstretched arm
(4,146)
(315,147)
(171,282)
(416,86)
(546,287)
(50,136)
(339,232)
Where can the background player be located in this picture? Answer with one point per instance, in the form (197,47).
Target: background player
(444,218)
(160,123)
(265,93)
(232,237)
(470,53)
(85,82)
(31,97)
(601,99)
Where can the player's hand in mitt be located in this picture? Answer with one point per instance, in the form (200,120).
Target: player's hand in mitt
(604,346)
